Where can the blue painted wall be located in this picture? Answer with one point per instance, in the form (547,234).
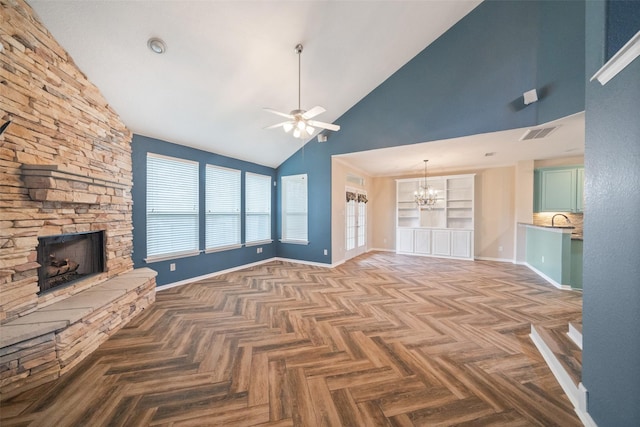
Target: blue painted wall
(623,22)
(204,263)
(469,81)
(611,281)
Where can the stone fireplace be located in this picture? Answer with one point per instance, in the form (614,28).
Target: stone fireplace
(65,171)
(66,258)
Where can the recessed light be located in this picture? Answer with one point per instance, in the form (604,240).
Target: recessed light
(156,45)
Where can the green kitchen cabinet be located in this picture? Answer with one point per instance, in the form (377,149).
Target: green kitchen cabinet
(559,189)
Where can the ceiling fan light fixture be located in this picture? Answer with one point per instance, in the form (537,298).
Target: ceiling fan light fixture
(287,127)
(296,133)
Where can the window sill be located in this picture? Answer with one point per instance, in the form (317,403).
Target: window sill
(295,242)
(222,248)
(258,243)
(175,255)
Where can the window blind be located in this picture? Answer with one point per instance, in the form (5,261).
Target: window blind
(257,207)
(222,197)
(172,206)
(294,208)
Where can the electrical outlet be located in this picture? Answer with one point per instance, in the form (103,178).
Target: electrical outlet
(543,259)
(259,250)
(499,248)
(326,252)
(172,266)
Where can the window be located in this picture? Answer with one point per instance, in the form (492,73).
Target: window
(172,207)
(294,209)
(257,208)
(223,208)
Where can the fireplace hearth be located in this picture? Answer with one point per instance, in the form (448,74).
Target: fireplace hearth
(67,258)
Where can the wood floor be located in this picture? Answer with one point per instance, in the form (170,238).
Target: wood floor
(383,339)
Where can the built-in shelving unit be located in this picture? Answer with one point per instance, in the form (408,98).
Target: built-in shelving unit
(445,229)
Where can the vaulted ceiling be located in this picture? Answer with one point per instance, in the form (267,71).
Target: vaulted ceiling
(227,60)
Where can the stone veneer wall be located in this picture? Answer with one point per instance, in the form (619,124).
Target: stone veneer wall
(61,122)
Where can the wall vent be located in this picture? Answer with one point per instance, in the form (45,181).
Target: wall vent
(538,133)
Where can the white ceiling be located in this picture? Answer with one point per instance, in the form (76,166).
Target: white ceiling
(226,60)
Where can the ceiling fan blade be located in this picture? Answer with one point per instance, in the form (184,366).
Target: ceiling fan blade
(288,116)
(323,125)
(313,112)
(277,125)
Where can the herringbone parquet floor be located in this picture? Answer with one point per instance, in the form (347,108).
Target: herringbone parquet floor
(383,339)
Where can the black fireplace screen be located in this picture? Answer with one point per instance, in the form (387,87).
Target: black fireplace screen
(66,258)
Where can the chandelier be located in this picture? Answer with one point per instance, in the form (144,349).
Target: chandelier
(425,195)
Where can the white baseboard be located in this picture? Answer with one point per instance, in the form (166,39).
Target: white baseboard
(575,335)
(242,267)
(561,375)
(486,258)
(210,275)
(381,250)
(547,278)
(577,395)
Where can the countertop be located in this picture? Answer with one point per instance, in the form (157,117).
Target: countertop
(565,229)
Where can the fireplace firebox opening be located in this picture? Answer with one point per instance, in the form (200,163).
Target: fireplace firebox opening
(67,258)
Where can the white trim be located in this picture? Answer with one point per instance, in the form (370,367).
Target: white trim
(577,395)
(618,62)
(558,371)
(575,335)
(547,278)
(258,243)
(582,409)
(174,255)
(294,242)
(299,261)
(242,267)
(210,275)
(485,258)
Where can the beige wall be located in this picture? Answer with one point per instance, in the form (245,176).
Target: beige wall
(503,198)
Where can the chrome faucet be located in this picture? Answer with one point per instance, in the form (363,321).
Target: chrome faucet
(554,217)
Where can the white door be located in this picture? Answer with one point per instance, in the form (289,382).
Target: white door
(355,227)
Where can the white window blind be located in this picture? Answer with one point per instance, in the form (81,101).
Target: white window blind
(222,197)
(257,198)
(172,207)
(294,208)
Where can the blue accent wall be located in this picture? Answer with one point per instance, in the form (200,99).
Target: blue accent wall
(202,264)
(611,281)
(623,22)
(469,81)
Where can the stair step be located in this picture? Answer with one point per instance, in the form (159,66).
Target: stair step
(565,350)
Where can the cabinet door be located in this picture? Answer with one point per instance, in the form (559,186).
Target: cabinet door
(404,240)
(461,244)
(580,190)
(558,190)
(422,242)
(441,242)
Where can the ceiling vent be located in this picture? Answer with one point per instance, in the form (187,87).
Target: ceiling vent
(538,133)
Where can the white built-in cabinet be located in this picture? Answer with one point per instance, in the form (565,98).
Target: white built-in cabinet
(444,230)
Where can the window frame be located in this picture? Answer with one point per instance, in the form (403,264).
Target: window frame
(285,180)
(172,254)
(248,212)
(209,213)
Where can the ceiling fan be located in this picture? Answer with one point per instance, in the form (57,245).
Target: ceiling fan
(299,121)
